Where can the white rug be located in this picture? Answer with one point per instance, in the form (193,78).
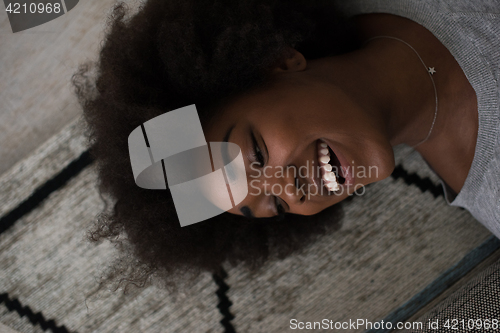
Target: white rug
(394,241)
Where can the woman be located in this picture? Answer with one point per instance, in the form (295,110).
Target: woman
(293,85)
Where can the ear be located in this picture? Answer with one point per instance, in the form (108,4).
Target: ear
(293,62)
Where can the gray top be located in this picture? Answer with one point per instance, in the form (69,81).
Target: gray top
(470,30)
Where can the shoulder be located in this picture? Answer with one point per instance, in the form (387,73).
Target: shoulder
(484,204)
(463,7)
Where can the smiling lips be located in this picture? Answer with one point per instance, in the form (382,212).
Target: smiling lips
(328,177)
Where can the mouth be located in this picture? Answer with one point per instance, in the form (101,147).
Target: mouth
(332,174)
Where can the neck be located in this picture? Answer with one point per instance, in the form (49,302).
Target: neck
(389,81)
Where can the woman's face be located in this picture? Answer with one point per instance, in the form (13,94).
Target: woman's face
(279,130)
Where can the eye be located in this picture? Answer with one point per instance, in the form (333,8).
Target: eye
(280,209)
(257,153)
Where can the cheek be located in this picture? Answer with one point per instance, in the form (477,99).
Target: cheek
(380,164)
(387,164)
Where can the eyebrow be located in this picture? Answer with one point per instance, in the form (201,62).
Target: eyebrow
(228,134)
(225,154)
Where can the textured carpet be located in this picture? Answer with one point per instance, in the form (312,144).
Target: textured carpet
(399,244)
(35,70)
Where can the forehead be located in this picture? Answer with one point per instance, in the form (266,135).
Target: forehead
(267,102)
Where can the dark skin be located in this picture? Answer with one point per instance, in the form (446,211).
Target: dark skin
(450,149)
(362,104)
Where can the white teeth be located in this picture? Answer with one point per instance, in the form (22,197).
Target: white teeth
(329,176)
(333,186)
(324,159)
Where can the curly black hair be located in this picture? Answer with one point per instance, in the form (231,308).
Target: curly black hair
(174,53)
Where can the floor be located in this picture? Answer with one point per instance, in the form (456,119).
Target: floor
(35,70)
(37,102)
(399,247)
